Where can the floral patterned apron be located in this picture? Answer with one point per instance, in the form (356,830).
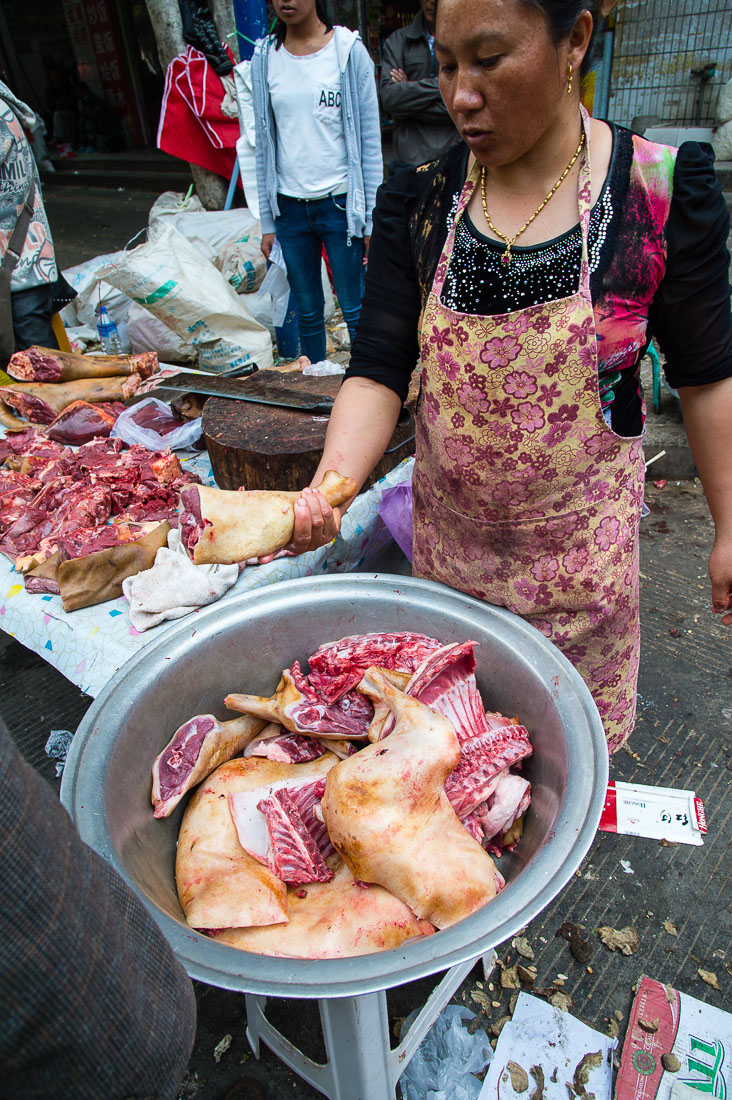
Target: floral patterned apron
(523,495)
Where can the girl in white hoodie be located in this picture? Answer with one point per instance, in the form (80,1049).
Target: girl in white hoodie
(318,157)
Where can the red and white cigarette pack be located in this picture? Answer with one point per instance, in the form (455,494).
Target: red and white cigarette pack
(660,813)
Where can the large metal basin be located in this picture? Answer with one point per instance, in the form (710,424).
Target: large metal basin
(241,645)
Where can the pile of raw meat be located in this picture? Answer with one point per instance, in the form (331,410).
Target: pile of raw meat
(59,504)
(364,810)
(74,396)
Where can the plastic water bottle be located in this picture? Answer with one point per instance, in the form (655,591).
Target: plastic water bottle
(108,333)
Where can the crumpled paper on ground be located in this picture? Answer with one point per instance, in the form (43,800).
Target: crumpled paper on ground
(174,586)
(443,1067)
(57,747)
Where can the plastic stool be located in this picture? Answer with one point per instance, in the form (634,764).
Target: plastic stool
(361,1064)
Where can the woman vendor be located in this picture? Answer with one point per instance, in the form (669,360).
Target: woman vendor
(528,268)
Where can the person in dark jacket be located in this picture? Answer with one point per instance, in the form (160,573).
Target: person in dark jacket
(423,130)
(35,275)
(95,1005)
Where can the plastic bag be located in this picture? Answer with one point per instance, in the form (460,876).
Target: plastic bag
(152,423)
(216,228)
(92,292)
(324,367)
(275,284)
(396,512)
(443,1067)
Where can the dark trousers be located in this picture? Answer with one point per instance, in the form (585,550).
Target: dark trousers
(32,312)
(303,227)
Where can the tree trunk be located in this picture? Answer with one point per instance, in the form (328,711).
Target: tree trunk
(166,22)
(223,17)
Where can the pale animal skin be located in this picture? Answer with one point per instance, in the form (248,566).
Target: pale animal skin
(389,818)
(333,920)
(219,884)
(243,525)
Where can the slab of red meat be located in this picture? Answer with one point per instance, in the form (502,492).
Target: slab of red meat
(337,667)
(26,527)
(45,586)
(48,467)
(82,421)
(30,406)
(55,492)
(296,858)
(87,540)
(17,443)
(156,419)
(38,364)
(63,498)
(90,507)
(16,489)
(147,510)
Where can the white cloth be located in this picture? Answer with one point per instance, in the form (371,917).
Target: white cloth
(174,586)
(305,93)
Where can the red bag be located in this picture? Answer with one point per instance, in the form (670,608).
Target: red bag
(192,126)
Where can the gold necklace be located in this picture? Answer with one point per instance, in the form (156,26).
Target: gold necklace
(510,241)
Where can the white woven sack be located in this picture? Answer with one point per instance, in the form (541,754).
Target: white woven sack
(168,276)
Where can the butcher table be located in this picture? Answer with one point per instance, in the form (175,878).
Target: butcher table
(89,645)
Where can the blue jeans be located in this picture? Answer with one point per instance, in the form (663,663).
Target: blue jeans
(303,227)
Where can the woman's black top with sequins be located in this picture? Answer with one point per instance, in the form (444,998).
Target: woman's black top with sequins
(414,211)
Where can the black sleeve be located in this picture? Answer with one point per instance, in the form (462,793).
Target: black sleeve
(386,347)
(690,313)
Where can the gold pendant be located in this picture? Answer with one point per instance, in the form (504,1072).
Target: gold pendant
(506,257)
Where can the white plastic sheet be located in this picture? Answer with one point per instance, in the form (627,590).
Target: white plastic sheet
(447,1060)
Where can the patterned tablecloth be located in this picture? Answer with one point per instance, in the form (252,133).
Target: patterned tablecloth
(89,645)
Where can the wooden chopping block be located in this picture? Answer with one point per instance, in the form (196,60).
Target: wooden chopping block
(268,447)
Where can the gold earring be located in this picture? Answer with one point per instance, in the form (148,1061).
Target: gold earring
(569,81)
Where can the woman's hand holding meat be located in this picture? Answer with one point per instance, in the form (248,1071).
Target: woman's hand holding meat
(316,524)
